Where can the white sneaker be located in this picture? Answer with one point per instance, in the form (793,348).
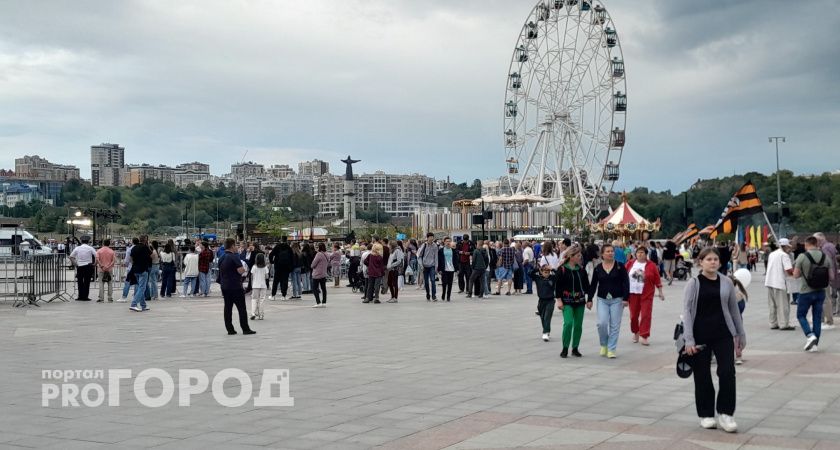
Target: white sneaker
(122,300)
(708,423)
(810,342)
(814,349)
(727,423)
(135,308)
(827,327)
(317,305)
(271,297)
(545,337)
(182,296)
(323,305)
(283,298)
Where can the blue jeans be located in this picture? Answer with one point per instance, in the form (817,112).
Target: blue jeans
(429,280)
(813,301)
(526,277)
(153,280)
(609,321)
(487,290)
(127,288)
(140,290)
(295,276)
(204,283)
(189,285)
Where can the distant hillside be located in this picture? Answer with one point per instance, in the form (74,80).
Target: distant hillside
(814,201)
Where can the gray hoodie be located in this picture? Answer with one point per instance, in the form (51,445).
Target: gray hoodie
(728,301)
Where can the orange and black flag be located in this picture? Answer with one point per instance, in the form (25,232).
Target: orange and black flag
(686,234)
(745,202)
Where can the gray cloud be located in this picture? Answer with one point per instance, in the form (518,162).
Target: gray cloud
(405,86)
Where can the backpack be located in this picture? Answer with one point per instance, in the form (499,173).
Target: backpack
(817,277)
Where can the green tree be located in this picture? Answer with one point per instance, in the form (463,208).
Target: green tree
(273,224)
(269,194)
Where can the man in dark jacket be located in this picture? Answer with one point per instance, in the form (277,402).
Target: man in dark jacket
(477,269)
(281,257)
(465,250)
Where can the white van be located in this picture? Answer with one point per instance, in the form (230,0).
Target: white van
(12,237)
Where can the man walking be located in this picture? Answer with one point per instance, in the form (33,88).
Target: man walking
(830,252)
(230,275)
(477,269)
(813,267)
(428,255)
(282,258)
(205,258)
(105,259)
(504,268)
(778,265)
(465,249)
(141,262)
(84,258)
(528,266)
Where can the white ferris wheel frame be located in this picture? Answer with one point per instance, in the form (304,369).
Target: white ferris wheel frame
(559,140)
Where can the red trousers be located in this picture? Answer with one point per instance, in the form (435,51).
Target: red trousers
(641,310)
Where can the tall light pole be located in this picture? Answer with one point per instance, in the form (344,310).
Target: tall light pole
(778,179)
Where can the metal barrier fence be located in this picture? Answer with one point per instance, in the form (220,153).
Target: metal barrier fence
(28,279)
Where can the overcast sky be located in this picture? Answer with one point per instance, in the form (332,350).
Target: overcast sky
(406,86)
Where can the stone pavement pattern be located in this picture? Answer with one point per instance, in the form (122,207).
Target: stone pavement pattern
(463,375)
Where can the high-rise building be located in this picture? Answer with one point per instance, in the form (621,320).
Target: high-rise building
(138,173)
(246,170)
(314,168)
(37,168)
(284,187)
(398,195)
(107,164)
(192,173)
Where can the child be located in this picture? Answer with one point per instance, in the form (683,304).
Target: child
(742,297)
(259,277)
(544,279)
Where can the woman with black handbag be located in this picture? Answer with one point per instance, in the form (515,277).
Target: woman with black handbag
(712,324)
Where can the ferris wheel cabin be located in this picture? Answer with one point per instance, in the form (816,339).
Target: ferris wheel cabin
(620,101)
(515,80)
(513,166)
(611,171)
(521,53)
(618,67)
(532,30)
(617,138)
(510,138)
(611,37)
(510,109)
(600,15)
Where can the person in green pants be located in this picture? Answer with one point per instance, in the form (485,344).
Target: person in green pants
(570,288)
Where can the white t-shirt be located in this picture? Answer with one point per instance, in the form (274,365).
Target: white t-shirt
(84,254)
(777,263)
(191,265)
(527,255)
(551,259)
(259,273)
(637,277)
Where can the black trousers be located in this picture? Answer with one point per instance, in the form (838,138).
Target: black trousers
(446,280)
(281,277)
(464,272)
(545,307)
(704,390)
(235,297)
(85,275)
(477,282)
(319,286)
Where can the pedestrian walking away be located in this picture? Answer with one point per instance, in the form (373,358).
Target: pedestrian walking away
(105,260)
(778,266)
(813,269)
(259,275)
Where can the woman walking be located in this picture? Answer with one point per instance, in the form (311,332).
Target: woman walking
(375,270)
(259,276)
(611,286)
(571,288)
(319,265)
(644,279)
(446,267)
(712,325)
(395,268)
(167,265)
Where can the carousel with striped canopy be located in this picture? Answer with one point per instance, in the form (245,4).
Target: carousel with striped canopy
(625,223)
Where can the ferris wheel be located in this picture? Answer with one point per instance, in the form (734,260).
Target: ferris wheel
(566,105)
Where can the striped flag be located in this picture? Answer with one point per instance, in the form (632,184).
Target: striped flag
(744,203)
(686,234)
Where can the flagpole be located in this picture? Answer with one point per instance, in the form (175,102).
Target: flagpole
(766,219)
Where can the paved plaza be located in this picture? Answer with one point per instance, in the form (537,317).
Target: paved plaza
(468,374)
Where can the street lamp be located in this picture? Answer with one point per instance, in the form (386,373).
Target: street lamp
(778,179)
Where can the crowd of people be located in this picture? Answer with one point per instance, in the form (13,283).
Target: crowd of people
(571,277)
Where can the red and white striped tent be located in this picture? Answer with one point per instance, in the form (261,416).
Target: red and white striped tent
(624,220)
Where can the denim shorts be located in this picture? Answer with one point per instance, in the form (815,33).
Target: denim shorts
(504,274)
